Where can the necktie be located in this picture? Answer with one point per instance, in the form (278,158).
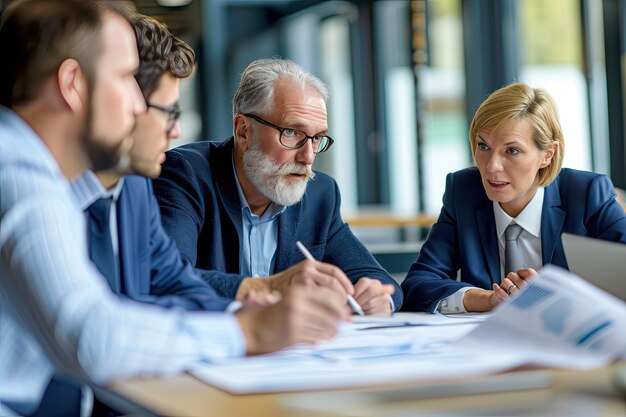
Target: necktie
(513,257)
(100,242)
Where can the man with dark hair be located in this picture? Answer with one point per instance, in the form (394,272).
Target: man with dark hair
(56,310)
(127,241)
(53,91)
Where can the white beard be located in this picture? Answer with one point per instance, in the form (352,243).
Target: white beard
(271,179)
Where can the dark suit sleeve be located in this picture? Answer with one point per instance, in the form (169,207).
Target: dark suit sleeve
(225,284)
(182,197)
(432,276)
(606,218)
(179,194)
(344,250)
(173,280)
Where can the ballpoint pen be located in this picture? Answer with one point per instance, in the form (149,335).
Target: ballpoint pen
(353,304)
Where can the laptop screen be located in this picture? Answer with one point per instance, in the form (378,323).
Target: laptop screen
(600,262)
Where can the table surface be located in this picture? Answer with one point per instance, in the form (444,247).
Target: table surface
(183,394)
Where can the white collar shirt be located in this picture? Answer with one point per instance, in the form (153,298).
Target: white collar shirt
(530,238)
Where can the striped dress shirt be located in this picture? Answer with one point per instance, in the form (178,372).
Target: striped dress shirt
(56,310)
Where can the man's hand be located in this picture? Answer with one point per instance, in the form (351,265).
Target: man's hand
(373,296)
(307,273)
(255,298)
(303,315)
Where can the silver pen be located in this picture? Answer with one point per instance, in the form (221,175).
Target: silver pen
(353,304)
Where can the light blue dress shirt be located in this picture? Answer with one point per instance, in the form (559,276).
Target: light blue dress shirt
(56,310)
(258,237)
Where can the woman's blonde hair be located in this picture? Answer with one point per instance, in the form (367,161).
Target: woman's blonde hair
(516,102)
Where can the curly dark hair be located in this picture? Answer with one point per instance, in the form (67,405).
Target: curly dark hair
(159,52)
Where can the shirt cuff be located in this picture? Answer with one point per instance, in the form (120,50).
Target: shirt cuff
(393,306)
(453,304)
(234,307)
(220,335)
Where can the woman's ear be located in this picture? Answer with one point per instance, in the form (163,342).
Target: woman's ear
(549,153)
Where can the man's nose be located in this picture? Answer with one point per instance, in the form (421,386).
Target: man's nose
(176,131)
(306,154)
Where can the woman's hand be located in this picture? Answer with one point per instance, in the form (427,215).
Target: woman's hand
(515,281)
(479,300)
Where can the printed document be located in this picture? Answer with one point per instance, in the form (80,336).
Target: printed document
(557,320)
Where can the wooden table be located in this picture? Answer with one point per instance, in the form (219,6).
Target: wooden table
(389,220)
(184,395)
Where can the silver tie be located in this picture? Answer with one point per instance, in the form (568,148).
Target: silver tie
(513,257)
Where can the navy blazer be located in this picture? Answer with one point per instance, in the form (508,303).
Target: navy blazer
(199,203)
(465,236)
(152,269)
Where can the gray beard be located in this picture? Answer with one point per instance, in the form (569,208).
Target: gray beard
(270,178)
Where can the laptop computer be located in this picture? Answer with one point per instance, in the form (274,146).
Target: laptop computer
(600,262)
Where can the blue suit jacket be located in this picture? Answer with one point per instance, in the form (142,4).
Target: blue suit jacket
(152,269)
(465,236)
(200,205)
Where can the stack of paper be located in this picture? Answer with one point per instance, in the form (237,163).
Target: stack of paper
(558,320)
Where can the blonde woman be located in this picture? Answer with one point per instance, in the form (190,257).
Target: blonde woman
(502,220)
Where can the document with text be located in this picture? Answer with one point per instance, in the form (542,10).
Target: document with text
(558,320)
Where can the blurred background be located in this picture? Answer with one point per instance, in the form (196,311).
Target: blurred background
(406,77)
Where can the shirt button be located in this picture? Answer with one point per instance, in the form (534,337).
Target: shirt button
(253,229)
(256,275)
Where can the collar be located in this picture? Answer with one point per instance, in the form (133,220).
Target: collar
(272,211)
(529,218)
(87,188)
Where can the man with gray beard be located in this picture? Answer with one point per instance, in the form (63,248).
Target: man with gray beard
(239,206)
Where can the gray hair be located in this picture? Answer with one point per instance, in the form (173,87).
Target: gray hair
(255,93)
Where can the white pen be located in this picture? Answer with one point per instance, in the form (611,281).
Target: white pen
(353,304)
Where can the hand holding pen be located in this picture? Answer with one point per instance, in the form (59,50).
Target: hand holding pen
(350,299)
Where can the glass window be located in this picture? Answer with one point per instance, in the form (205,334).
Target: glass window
(441,86)
(552,59)
(398,98)
(340,162)
(190,120)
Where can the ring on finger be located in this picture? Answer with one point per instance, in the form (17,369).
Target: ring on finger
(511,289)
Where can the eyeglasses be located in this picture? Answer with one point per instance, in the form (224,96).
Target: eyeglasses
(173,113)
(294,139)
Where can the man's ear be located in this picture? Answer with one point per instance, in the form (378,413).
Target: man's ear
(243,131)
(72,84)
